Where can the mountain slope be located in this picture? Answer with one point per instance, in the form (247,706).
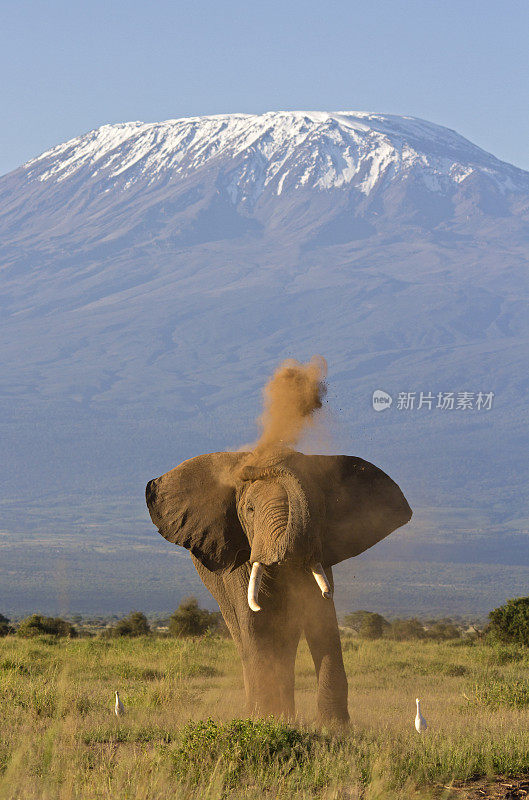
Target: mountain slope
(153,275)
(237,166)
(320,149)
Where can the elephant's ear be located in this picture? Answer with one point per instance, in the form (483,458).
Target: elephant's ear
(362,505)
(193,505)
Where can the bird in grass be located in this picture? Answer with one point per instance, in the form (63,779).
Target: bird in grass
(119,708)
(420,722)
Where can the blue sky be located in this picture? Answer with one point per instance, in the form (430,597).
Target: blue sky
(68,67)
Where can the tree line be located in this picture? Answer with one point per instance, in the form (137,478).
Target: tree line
(369,625)
(508,623)
(188,620)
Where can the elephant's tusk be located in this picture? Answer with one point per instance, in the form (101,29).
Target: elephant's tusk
(254,584)
(321,579)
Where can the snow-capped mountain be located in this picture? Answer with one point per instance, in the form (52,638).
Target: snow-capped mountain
(321,150)
(153,275)
(315,177)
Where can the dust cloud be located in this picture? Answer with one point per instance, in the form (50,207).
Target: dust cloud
(290,399)
(291,396)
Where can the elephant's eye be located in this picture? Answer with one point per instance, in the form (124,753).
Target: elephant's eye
(249,508)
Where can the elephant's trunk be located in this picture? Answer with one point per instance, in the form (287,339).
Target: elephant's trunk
(253,586)
(321,579)
(290,531)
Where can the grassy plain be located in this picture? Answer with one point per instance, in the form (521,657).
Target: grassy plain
(59,738)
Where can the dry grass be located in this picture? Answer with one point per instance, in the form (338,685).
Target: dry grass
(60,739)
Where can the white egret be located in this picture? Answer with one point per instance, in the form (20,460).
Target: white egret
(119,708)
(420,722)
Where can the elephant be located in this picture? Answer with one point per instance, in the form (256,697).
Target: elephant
(264,533)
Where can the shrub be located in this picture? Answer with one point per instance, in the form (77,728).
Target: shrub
(241,746)
(191,620)
(402,629)
(367,624)
(136,624)
(5,627)
(37,625)
(497,692)
(510,622)
(505,654)
(443,631)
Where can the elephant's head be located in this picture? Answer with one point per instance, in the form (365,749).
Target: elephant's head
(281,519)
(308,511)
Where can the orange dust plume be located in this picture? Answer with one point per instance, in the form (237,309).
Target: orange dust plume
(291,397)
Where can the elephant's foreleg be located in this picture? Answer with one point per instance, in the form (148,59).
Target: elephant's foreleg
(323,638)
(269,676)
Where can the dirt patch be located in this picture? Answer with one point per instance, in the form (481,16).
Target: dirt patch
(498,789)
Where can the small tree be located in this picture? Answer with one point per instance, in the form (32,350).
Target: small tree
(372,627)
(136,624)
(510,622)
(367,624)
(5,627)
(442,631)
(191,620)
(37,625)
(402,629)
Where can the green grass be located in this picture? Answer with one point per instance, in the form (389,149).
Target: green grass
(184,734)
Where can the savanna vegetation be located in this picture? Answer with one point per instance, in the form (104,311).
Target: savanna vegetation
(185,733)
(37,625)
(510,622)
